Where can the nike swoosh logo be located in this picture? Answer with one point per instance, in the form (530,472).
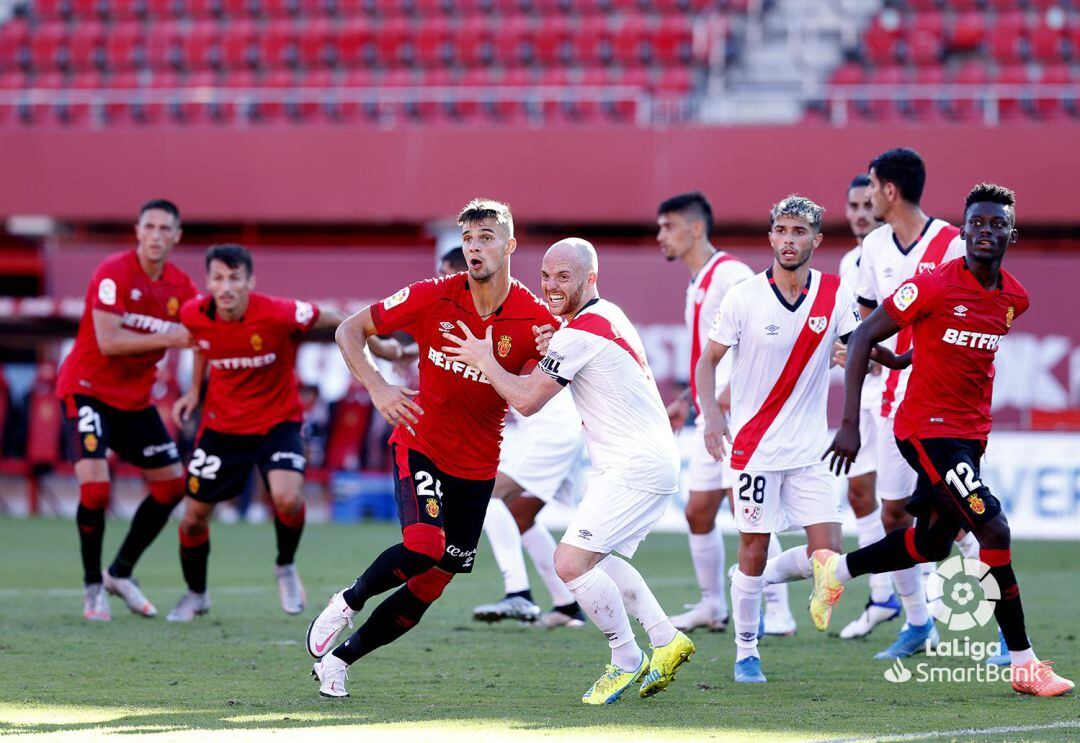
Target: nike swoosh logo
(319,648)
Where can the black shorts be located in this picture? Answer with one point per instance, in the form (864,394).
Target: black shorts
(949,483)
(222,462)
(139,437)
(426,495)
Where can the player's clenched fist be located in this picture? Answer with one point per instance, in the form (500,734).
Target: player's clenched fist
(396,405)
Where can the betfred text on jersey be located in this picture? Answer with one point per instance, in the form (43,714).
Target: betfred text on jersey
(149,323)
(438,358)
(244,362)
(968,338)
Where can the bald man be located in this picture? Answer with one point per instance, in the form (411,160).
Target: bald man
(634,456)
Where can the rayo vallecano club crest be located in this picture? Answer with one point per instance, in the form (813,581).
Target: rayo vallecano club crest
(818,323)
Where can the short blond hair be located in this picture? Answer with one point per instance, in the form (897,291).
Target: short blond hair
(798,207)
(482,210)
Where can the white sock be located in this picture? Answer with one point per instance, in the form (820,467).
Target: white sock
(707,552)
(540,545)
(792,564)
(601,601)
(746,610)
(842,573)
(969,546)
(639,600)
(870,529)
(1020,657)
(502,531)
(909,584)
(926,568)
(776,595)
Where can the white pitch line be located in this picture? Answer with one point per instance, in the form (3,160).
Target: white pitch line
(1063,725)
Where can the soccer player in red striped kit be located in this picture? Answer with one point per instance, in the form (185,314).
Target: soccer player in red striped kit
(445,445)
(131,317)
(958,315)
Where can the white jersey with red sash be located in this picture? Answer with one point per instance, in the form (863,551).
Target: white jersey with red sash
(703,297)
(600,355)
(780,370)
(885,264)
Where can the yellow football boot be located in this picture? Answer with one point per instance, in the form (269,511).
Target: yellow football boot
(666,660)
(609,687)
(827,587)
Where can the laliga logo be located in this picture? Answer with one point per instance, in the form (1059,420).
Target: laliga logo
(956,579)
(897,674)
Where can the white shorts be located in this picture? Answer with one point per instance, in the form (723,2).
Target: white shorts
(548,463)
(704,472)
(767,502)
(895,478)
(866,461)
(614,517)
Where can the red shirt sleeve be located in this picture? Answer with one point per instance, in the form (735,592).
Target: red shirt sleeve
(401,310)
(913,299)
(189,312)
(109,288)
(296,315)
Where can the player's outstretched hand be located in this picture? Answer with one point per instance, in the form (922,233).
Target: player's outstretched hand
(183,408)
(397,406)
(716,433)
(470,349)
(543,335)
(844,447)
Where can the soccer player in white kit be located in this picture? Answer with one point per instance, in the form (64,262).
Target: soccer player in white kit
(685,223)
(782,325)
(882,605)
(909,243)
(635,461)
(542,460)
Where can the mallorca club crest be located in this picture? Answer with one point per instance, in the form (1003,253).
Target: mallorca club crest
(90,442)
(193,485)
(818,323)
(1009,316)
(256,342)
(976,504)
(172,306)
(504,346)
(432,508)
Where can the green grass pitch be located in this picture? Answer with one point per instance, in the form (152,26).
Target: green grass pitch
(242,670)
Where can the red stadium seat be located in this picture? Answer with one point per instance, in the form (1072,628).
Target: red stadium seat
(393,42)
(46,46)
(1052,106)
(926,108)
(281,8)
(14,36)
(924,38)
(673,43)
(475,41)
(515,41)
(86,46)
(200,45)
(886,108)
(553,41)
(1047,43)
(881,43)
(279,45)
(1008,38)
(434,44)
(593,43)
(240,45)
(973,76)
(125,47)
(967,31)
(52,10)
(89,10)
(356,44)
(317,43)
(629,41)
(128,10)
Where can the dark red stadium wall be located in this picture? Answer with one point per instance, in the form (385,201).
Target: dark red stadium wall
(559,176)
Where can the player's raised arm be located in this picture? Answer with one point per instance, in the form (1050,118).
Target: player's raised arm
(525,394)
(394,403)
(875,328)
(115,340)
(705,377)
